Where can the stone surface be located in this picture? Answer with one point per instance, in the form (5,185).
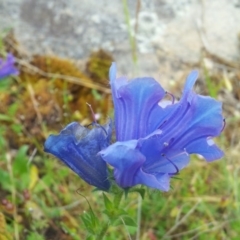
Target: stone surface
(170,34)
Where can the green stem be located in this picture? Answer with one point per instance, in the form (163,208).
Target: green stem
(139,211)
(13,191)
(117,199)
(131,37)
(103,231)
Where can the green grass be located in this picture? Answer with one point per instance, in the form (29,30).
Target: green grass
(204,201)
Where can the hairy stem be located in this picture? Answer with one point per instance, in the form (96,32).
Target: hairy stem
(13,191)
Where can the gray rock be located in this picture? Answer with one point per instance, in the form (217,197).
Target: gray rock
(169,33)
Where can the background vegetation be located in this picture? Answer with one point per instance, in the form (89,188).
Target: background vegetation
(40,197)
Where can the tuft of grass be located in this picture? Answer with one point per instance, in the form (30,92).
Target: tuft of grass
(132,39)
(212,87)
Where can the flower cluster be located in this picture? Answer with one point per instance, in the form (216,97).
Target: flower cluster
(154,136)
(7,67)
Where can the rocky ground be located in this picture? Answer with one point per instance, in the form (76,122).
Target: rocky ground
(169,34)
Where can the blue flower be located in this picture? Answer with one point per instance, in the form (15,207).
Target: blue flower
(7,68)
(154,137)
(78,148)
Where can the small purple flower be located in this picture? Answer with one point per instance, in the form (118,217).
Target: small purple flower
(7,67)
(78,148)
(154,137)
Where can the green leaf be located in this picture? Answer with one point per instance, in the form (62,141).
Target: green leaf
(129,221)
(96,94)
(126,191)
(2,138)
(108,204)
(4,117)
(12,109)
(34,236)
(5,84)
(211,86)
(126,220)
(90,238)
(20,168)
(20,161)
(87,223)
(141,191)
(116,215)
(86,220)
(17,128)
(5,180)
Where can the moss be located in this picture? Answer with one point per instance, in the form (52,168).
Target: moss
(98,65)
(47,96)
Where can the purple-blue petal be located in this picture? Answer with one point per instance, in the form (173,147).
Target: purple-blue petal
(7,67)
(205,147)
(152,180)
(141,162)
(196,119)
(78,148)
(127,161)
(190,81)
(137,112)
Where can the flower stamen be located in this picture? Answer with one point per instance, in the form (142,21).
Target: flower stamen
(224,124)
(177,169)
(92,112)
(172,96)
(94,123)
